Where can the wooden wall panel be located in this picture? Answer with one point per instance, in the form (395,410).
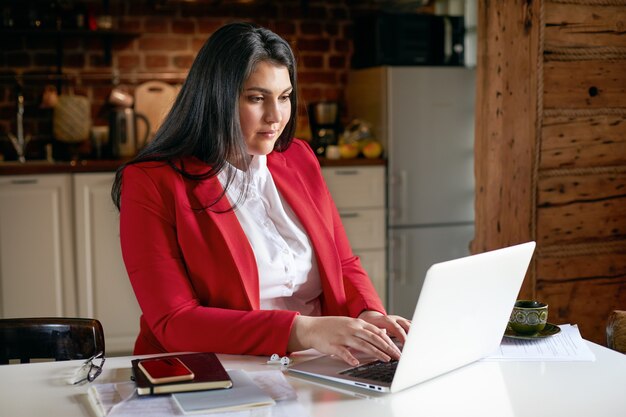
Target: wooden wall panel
(583,25)
(581,186)
(583,141)
(574,53)
(584,84)
(578,222)
(585,186)
(583,289)
(577,206)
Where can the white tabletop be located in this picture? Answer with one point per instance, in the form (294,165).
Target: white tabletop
(500,389)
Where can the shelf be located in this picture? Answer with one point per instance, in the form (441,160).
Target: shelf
(68,33)
(32,167)
(60,34)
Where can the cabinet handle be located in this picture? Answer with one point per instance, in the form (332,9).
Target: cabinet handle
(348,215)
(24,181)
(347,172)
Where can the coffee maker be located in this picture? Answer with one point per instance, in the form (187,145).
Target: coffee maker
(325,125)
(123,131)
(123,119)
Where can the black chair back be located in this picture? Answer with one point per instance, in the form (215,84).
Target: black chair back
(56,338)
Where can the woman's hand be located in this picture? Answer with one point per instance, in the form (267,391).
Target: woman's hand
(394,325)
(336,335)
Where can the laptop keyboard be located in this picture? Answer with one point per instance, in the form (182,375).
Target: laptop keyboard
(376,371)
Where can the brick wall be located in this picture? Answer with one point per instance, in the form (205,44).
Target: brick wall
(169,35)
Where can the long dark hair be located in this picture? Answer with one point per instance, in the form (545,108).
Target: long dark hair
(204,119)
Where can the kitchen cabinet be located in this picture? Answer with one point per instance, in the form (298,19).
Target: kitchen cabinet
(36,246)
(359,193)
(103,289)
(60,253)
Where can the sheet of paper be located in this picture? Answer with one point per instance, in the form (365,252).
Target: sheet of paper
(120,400)
(567,345)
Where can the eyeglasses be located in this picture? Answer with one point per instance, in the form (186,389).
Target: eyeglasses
(90,370)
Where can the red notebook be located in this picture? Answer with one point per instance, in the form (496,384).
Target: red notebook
(208,374)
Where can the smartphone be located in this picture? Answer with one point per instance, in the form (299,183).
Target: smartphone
(164,370)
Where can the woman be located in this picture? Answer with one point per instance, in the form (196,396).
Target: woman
(230,238)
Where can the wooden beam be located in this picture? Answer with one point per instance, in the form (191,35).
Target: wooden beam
(506,124)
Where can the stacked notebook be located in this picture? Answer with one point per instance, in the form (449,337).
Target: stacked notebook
(212,389)
(207,369)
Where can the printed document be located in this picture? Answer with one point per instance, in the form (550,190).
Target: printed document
(567,345)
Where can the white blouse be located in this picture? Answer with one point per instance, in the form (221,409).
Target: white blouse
(288,274)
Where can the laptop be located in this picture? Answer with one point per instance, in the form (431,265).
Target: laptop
(460,317)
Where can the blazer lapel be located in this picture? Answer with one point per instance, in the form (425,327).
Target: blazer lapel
(293,188)
(206,192)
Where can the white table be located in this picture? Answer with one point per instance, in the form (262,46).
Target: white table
(520,389)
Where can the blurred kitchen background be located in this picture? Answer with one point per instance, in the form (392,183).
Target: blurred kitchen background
(387,90)
(90,48)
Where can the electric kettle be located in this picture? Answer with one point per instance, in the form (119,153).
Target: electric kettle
(123,132)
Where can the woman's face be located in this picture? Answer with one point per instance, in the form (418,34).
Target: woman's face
(265,106)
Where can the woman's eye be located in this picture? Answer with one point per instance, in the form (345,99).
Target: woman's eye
(255,99)
(286,97)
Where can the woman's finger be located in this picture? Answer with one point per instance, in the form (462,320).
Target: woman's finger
(393,328)
(345,354)
(406,324)
(379,331)
(380,340)
(363,345)
(398,331)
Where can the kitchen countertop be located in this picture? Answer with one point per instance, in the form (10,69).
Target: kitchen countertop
(34,167)
(60,167)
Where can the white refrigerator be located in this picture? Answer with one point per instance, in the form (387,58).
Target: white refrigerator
(425,118)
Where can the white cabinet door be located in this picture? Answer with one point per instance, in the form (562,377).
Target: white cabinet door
(365,227)
(36,250)
(104,291)
(359,194)
(356,187)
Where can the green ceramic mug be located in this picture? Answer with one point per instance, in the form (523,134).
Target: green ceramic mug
(528,317)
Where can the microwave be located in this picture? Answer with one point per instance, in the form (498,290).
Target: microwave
(408,39)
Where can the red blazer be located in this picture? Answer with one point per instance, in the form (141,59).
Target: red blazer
(194,272)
